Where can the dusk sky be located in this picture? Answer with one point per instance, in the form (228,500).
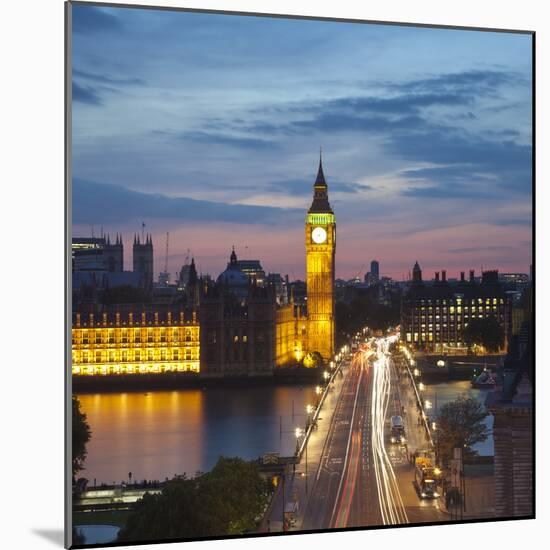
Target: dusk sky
(209,127)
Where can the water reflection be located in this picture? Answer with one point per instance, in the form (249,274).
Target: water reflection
(158,434)
(444,392)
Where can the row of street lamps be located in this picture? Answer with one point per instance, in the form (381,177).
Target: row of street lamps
(310,409)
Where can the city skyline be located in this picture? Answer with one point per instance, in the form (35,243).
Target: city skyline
(427,160)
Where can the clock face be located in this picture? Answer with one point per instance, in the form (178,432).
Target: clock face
(319,235)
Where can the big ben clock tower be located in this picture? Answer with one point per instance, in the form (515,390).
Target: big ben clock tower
(320,251)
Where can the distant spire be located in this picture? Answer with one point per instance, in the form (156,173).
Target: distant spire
(417,273)
(233,257)
(192,273)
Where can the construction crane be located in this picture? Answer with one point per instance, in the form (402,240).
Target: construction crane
(164,276)
(166,256)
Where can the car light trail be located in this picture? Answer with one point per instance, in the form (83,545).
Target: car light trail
(391,504)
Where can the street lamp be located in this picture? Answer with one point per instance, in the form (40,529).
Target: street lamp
(309,410)
(441,363)
(421,386)
(416,372)
(326,375)
(299,433)
(428,404)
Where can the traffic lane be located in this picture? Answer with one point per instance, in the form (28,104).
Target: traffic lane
(324,493)
(366,505)
(349,510)
(418,510)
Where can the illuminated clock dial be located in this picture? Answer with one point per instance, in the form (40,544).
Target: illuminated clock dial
(319,235)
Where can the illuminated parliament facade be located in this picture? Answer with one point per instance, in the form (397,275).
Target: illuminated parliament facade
(238,325)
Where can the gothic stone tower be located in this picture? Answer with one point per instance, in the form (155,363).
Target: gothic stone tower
(114,254)
(320,251)
(143,259)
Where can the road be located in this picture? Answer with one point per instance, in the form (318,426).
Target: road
(363,479)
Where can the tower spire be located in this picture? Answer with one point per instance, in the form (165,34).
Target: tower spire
(320,180)
(320,202)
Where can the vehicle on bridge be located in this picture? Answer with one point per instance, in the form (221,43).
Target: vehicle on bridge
(397,430)
(426,478)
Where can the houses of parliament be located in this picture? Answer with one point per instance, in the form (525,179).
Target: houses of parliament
(242,324)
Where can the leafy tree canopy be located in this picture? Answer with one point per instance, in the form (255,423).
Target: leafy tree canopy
(461,424)
(228,500)
(487,332)
(80,436)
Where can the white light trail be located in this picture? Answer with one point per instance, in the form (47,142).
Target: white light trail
(391,504)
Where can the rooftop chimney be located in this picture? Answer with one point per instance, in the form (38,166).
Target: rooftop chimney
(437,276)
(462,276)
(444,276)
(471,275)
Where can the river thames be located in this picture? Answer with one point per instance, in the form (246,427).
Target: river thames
(158,434)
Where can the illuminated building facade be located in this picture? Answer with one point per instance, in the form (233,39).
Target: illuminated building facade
(433,317)
(320,235)
(291,339)
(244,324)
(135,342)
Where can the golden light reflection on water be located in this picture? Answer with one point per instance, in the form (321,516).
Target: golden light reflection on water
(153,435)
(158,434)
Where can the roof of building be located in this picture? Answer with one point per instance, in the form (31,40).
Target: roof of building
(233,276)
(442,290)
(320,202)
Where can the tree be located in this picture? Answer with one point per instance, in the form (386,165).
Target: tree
(487,332)
(228,500)
(313,360)
(460,424)
(80,436)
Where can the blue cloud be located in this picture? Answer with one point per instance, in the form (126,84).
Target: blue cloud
(476,81)
(240,142)
(298,187)
(507,163)
(95,203)
(91,19)
(85,94)
(106,79)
